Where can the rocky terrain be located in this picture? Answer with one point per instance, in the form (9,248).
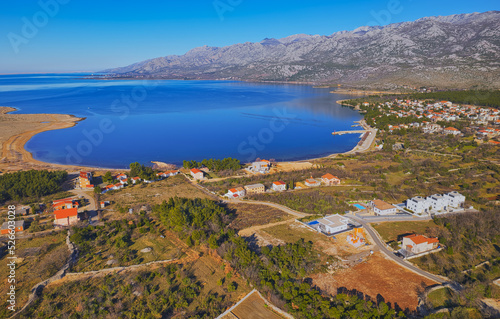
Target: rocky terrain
(460,51)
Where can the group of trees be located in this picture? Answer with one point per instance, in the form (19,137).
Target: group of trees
(142,171)
(31,184)
(216,165)
(473,97)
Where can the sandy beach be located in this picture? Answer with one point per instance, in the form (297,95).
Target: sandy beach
(17,129)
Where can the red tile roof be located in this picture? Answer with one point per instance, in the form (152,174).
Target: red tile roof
(64,213)
(195,171)
(279,183)
(329,176)
(419,239)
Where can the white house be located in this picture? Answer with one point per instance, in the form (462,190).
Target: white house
(311,182)
(451,130)
(329,179)
(260,167)
(236,192)
(416,244)
(196,173)
(279,186)
(333,224)
(437,202)
(418,205)
(455,199)
(382,208)
(136,179)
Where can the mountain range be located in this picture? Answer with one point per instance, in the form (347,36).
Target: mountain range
(459,51)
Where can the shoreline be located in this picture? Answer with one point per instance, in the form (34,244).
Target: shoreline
(15,157)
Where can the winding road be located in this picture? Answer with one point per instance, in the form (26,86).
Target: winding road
(391,255)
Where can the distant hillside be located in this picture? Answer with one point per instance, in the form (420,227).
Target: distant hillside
(458,51)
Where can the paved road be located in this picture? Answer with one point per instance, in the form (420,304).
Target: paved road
(89,195)
(391,255)
(373,219)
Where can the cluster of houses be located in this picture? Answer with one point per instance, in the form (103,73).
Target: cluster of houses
(280,186)
(443,111)
(437,203)
(123,180)
(434,204)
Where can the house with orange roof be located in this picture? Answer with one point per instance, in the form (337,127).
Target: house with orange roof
(85,179)
(279,186)
(311,182)
(66,217)
(329,180)
(12,226)
(65,204)
(236,192)
(136,179)
(417,244)
(197,174)
(451,130)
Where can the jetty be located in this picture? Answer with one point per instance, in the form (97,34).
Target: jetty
(349,132)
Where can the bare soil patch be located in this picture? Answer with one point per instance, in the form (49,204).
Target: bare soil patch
(376,279)
(248,215)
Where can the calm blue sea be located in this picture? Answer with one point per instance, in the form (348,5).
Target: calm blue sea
(172,121)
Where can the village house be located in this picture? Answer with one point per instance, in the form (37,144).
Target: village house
(136,180)
(417,244)
(255,188)
(329,180)
(85,180)
(418,205)
(236,192)
(17,226)
(205,169)
(452,131)
(382,208)
(66,217)
(332,224)
(311,182)
(197,174)
(262,167)
(65,203)
(279,186)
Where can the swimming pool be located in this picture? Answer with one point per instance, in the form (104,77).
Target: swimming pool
(359,206)
(314,222)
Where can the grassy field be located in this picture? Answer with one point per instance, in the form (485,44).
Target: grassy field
(120,244)
(438,298)
(180,291)
(253,307)
(149,194)
(38,259)
(248,215)
(390,230)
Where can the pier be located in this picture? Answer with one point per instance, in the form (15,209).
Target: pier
(349,132)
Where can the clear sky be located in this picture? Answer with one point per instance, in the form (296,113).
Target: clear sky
(90,35)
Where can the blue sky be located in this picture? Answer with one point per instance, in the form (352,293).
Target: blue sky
(76,35)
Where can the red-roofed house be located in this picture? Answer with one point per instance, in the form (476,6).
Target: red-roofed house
(196,173)
(66,217)
(311,182)
(136,179)
(65,204)
(279,186)
(451,130)
(85,179)
(329,179)
(416,244)
(236,192)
